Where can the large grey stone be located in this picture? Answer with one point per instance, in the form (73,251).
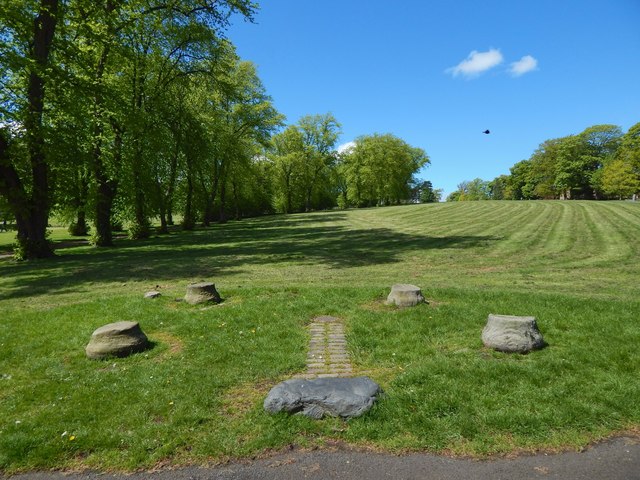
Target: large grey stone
(116,340)
(201,293)
(336,397)
(507,333)
(405,295)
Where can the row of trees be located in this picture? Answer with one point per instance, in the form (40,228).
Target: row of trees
(116,111)
(101,100)
(599,163)
(309,173)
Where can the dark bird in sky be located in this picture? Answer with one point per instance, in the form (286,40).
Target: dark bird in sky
(486,132)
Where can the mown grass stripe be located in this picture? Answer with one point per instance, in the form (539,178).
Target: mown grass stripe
(524,229)
(196,396)
(560,239)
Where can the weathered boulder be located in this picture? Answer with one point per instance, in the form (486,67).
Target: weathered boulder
(116,340)
(507,333)
(404,295)
(202,293)
(336,397)
(152,294)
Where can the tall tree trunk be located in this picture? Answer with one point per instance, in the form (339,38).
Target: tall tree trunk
(104,205)
(106,190)
(162,208)
(32,212)
(207,213)
(289,194)
(236,199)
(222,182)
(11,186)
(80,228)
(105,186)
(188,221)
(307,203)
(222,218)
(163,218)
(211,196)
(141,228)
(173,175)
(103,234)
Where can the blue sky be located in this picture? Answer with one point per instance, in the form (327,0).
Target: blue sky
(437,73)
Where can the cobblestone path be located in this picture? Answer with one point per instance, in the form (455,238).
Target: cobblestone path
(328,356)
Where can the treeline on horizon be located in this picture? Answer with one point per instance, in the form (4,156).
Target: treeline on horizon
(123,112)
(600,163)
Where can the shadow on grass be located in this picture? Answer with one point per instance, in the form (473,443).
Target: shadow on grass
(223,250)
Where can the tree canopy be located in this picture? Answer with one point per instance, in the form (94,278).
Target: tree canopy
(380,169)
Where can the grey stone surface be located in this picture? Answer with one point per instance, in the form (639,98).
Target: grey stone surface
(116,340)
(201,293)
(315,398)
(405,295)
(507,333)
(152,294)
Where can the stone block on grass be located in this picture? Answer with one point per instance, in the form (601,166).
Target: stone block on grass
(315,398)
(512,334)
(118,339)
(405,295)
(202,293)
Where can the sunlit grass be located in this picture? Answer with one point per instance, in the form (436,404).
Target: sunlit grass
(197,394)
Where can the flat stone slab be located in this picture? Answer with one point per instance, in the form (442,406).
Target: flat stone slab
(202,293)
(315,398)
(512,334)
(118,339)
(152,294)
(405,295)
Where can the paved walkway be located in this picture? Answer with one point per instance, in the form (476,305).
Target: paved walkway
(328,356)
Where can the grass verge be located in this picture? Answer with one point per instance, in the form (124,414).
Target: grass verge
(196,396)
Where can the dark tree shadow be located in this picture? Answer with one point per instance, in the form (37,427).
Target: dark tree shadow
(223,250)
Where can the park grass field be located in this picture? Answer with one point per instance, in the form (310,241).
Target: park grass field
(196,397)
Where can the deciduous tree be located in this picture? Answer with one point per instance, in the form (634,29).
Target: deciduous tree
(380,169)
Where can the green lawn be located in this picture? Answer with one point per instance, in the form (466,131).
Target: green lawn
(197,395)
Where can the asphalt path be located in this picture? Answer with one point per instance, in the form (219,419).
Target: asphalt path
(615,459)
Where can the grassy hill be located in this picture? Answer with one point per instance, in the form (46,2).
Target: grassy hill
(197,395)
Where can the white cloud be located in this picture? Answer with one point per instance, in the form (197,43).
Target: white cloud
(524,65)
(346,147)
(477,63)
